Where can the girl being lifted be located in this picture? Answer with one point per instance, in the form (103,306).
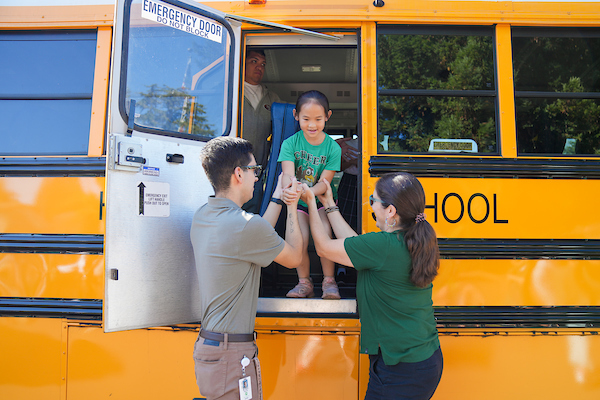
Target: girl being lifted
(311,155)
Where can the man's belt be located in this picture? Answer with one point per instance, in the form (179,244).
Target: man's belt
(231,337)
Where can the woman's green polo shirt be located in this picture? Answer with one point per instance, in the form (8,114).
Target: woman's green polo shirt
(395,315)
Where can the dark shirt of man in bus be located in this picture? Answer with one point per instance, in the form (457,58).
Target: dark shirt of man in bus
(257,115)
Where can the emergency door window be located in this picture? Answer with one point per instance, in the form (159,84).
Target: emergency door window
(178,68)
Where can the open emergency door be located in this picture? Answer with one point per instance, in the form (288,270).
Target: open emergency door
(174,86)
(175,67)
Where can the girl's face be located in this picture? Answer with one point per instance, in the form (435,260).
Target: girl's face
(312,119)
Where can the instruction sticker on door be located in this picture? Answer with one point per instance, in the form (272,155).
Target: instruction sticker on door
(154,199)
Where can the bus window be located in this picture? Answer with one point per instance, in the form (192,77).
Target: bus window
(178,78)
(435,83)
(557,90)
(46,80)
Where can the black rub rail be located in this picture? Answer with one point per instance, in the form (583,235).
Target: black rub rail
(51,243)
(585,249)
(486,167)
(52,166)
(446,317)
(51,308)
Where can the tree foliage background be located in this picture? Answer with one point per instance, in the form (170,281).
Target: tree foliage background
(441,63)
(567,63)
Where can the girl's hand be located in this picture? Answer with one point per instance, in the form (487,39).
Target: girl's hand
(327,198)
(291,194)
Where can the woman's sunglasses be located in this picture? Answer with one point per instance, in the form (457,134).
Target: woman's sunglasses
(372,199)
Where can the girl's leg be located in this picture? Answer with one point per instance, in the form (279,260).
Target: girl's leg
(304,288)
(330,288)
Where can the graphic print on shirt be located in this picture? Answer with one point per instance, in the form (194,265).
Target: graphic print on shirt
(307,163)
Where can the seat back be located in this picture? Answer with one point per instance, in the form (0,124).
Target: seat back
(283,125)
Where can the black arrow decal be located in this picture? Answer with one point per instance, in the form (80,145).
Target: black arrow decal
(141,186)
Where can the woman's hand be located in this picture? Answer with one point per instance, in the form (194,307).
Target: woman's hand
(327,198)
(307,194)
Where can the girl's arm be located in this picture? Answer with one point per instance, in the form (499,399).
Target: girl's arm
(331,249)
(287,168)
(320,187)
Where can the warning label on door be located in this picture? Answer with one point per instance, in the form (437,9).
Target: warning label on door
(183,20)
(154,199)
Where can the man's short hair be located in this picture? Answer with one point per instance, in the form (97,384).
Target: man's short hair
(259,51)
(221,156)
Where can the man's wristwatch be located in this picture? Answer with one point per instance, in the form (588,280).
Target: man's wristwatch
(277,201)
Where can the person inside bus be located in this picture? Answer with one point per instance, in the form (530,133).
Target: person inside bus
(348,189)
(230,248)
(307,156)
(257,116)
(396,267)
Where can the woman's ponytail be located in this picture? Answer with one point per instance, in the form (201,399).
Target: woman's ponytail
(406,194)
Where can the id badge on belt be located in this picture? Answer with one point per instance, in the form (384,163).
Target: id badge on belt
(245,383)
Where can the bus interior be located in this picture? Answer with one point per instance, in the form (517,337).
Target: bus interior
(296,64)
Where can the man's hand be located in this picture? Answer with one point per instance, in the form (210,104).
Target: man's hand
(278,189)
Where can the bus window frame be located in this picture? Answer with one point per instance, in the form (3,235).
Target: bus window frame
(124,109)
(551,32)
(457,30)
(55,35)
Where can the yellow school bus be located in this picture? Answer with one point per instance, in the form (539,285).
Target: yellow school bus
(104,107)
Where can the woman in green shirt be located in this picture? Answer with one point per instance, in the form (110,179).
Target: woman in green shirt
(395,269)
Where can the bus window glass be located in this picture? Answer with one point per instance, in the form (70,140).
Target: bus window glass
(178,65)
(436,84)
(46,80)
(557,90)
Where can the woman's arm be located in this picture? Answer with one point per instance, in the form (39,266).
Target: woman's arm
(340,227)
(287,168)
(331,249)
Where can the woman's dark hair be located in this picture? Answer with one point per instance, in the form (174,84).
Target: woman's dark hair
(405,192)
(221,156)
(312,96)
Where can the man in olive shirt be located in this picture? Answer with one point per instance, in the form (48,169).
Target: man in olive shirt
(230,248)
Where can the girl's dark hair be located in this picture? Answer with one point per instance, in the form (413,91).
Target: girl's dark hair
(312,96)
(405,192)
(221,156)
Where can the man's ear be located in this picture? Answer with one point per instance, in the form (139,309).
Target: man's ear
(237,175)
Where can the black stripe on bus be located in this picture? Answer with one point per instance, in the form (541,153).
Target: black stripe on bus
(486,167)
(517,317)
(446,317)
(52,166)
(585,249)
(51,308)
(51,243)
